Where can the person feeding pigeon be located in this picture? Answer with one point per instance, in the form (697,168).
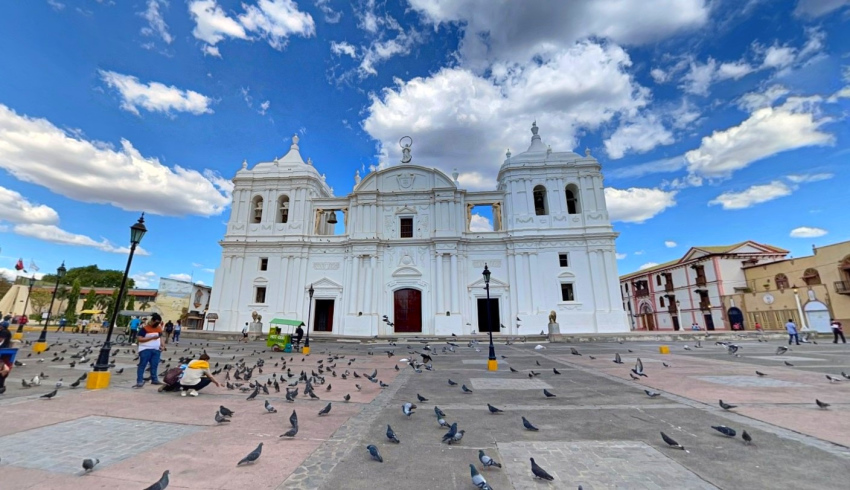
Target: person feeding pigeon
(197,376)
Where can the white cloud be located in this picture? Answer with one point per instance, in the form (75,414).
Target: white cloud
(16,208)
(701,76)
(34,150)
(480,223)
(340,48)
(55,5)
(155,96)
(816,8)
(763,98)
(670,244)
(156,24)
(621,256)
(383,49)
(145,280)
(766,132)
(779,56)
(659,75)
(805,178)
(663,165)
(639,135)
(211,271)
(197,265)
(753,195)
(272,20)
(647,265)
(461,116)
(807,232)
(264,106)
(54,234)
(211,51)
(181,277)
(331,16)
(636,205)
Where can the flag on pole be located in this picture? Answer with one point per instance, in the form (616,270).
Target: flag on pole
(33,267)
(20,265)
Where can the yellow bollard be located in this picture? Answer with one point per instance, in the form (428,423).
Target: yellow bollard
(305,350)
(18,336)
(492,365)
(97,380)
(39,347)
(664,349)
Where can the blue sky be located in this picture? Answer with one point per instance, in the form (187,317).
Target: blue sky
(715,121)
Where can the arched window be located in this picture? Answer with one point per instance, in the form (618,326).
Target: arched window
(257,209)
(283,209)
(573,206)
(541,207)
(812,277)
(782,281)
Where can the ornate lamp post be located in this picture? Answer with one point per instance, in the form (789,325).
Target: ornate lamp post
(492,363)
(41,344)
(19,334)
(100,377)
(306,349)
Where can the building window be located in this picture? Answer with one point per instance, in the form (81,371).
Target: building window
(782,281)
(541,207)
(658,279)
(260,294)
(627,287)
(257,209)
(661,301)
(564,260)
(572,199)
(406,227)
(812,277)
(264,264)
(567,293)
(283,209)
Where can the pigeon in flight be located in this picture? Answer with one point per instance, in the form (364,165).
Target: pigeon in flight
(493,409)
(162,483)
(617,359)
(270,408)
(219,418)
(540,472)
(781,350)
(638,369)
(89,464)
(651,394)
(477,479)
(726,406)
(487,461)
(832,379)
(528,425)
(391,435)
(670,442)
(726,431)
(373,451)
(252,457)
(548,394)
(325,410)
(845,375)
(821,404)
(407,409)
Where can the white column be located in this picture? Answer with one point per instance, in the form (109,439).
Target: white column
(529,196)
(533,272)
(355,286)
(512,281)
(596,272)
(454,280)
(370,285)
(439,289)
(284,283)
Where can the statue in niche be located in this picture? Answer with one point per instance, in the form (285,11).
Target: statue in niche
(497,216)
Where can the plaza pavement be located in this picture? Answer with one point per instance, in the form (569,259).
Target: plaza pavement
(601,431)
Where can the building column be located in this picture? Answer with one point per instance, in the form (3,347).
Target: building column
(370,275)
(355,286)
(532,273)
(596,272)
(529,196)
(439,290)
(284,282)
(454,279)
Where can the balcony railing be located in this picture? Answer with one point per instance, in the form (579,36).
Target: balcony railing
(640,293)
(668,286)
(842,287)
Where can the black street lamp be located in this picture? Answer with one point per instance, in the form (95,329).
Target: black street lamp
(42,339)
(98,380)
(19,334)
(306,349)
(492,363)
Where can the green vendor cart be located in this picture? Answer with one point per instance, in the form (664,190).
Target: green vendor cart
(280,333)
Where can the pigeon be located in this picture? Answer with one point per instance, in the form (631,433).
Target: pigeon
(548,394)
(162,483)
(452,383)
(119,371)
(291,432)
(89,464)
(726,431)
(477,479)
(451,433)
(726,406)
(358,387)
(788,364)
(391,435)
(421,398)
(290,396)
(670,442)
(75,384)
(845,375)
(633,376)
(219,418)
(638,369)
(832,379)
(528,425)
(457,437)
(493,409)
(225,411)
(617,359)
(439,412)
(540,472)
(592,358)
(651,394)
(821,404)
(665,364)
(325,410)
(759,373)
(574,351)
(746,437)
(781,350)
(373,451)
(48,396)
(270,408)
(513,370)
(347,397)
(407,409)
(556,371)
(487,461)
(442,422)
(253,395)
(252,457)
(465,389)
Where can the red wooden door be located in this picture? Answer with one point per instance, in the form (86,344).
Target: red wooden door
(408,310)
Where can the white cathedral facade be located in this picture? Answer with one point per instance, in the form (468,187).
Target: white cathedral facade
(408,252)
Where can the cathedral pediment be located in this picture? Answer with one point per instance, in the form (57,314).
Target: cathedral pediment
(407,271)
(494,283)
(325,283)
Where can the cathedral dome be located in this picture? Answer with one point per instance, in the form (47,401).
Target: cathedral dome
(291,164)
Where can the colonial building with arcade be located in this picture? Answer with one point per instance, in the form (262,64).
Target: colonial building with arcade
(403,245)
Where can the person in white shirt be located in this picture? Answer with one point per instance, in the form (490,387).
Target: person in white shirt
(837,331)
(149,350)
(245,333)
(197,376)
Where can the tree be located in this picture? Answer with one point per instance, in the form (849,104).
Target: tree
(73,299)
(39,301)
(92,276)
(123,320)
(144,306)
(131,303)
(5,286)
(91,299)
(61,295)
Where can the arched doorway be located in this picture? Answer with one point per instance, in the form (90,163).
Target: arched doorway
(817,316)
(736,317)
(647,317)
(407,313)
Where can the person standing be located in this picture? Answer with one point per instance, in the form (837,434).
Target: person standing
(178,327)
(245,333)
(62,324)
(169,329)
(149,350)
(22,321)
(837,331)
(197,376)
(134,329)
(5,363)
(299,334)
(791,327)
